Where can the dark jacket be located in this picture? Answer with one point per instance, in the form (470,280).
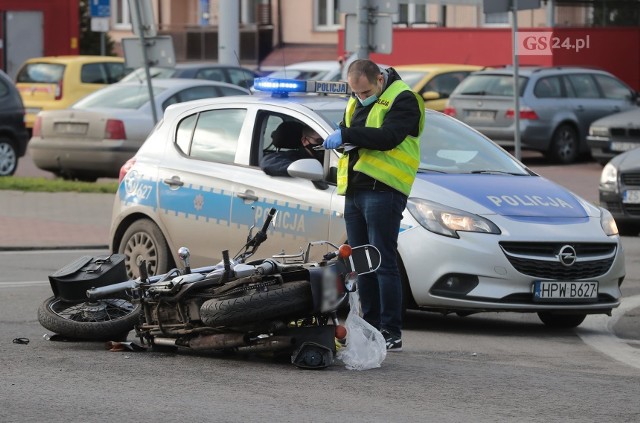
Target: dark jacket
(276,163)
(402,119)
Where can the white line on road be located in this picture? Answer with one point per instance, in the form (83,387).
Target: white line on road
(597,332)
(18,284)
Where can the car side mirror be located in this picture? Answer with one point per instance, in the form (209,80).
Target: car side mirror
(310,169)
(431,95)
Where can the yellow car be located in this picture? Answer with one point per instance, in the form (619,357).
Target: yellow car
(435,82)
(56,82)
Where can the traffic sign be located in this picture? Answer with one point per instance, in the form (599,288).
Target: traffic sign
(100,8)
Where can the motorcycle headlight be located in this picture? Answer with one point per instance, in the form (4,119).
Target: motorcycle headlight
(447,221)
(607,222)
(609,178)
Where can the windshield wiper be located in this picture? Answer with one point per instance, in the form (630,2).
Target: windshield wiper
(497,172)
(431,170)
(474,93)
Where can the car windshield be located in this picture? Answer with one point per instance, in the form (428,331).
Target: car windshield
(118,97)
(411,77)
(139,74)
(447,146)
(488,84)
(297,74)
(47,73)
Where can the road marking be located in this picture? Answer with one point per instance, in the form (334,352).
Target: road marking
(597,332)
(17,284)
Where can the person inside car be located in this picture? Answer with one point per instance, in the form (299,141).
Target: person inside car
(293,141)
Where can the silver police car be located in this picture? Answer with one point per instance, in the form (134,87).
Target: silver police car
(481,232)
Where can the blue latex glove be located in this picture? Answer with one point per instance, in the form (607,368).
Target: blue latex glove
(333,141)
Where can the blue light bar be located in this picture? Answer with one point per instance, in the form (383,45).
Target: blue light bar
(282,87)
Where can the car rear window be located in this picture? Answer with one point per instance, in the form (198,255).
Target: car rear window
(46,73)
(118,96)
(487,84)
(412,77)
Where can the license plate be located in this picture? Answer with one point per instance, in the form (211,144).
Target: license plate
(70,128)
(631,196)
(565,291)
(623,146)
(481,114)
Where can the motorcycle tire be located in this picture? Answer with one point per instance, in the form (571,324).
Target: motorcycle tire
(108,319)
(290,299)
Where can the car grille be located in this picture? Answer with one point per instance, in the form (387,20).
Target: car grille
(619,208)
(540,259)
(625,132)
(631,178)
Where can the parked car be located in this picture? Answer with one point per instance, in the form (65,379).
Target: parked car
(13,133)
(56,82)
(481,232)
(614,134)
(435,82)
(98,134)
(236,75)
(619,190)
(318,70)
(557,105)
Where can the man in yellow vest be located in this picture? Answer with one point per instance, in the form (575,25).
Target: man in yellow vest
(383,121)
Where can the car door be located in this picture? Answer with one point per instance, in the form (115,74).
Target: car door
(306,211)
(197,176)
(585,100)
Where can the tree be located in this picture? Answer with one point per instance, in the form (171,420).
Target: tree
(90,40)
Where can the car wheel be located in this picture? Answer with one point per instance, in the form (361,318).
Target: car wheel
(561,321)
(8,157)
(564,145)
(143,240)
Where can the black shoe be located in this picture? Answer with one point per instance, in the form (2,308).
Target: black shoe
(394,343)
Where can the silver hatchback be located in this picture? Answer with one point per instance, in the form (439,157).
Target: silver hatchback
(557,105)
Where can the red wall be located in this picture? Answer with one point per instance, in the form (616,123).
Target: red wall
(61,23)
(616,50)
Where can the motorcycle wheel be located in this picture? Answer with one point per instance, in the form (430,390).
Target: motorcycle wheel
(107,319)
(287,300)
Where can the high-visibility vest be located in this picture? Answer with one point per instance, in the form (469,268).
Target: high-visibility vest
(397,167)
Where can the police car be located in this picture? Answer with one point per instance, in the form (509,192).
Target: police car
(481,232)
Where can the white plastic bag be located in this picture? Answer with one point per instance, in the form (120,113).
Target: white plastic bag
(365,347)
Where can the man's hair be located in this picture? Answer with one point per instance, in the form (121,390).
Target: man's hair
(364,67)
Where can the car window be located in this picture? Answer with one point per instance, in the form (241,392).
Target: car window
(612,88)
(185,133)
(212,74)
(193,93)
(584,86)
(448,147)
(215,136)
(231,91)
(4,89)
(93,73)
(115,71)
(49,73)
(241,77)
(549,87)
(445,83)
(487,84)
(118,96)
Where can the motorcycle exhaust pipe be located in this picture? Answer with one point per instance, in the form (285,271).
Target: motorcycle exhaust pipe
(218,341)
(271,344)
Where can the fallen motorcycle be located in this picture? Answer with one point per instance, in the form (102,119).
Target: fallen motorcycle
(285,304)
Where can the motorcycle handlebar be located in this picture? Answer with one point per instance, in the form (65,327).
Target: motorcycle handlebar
(101,292)
(267,221)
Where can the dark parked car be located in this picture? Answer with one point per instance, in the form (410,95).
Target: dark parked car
(13,133)
(620,191)
(614,134)
(557,105)
(236,75)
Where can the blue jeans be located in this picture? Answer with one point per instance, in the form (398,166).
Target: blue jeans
(373,217)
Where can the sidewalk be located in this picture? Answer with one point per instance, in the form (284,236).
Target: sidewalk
(32,220)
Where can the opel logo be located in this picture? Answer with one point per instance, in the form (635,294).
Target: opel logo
(567,255)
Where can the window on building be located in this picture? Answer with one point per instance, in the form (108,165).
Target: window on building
(326,15)
(496,19)
(120,14)
(409,13)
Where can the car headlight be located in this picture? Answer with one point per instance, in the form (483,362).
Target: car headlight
(599,131)
(447,221)
(608,222)
(609,178)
